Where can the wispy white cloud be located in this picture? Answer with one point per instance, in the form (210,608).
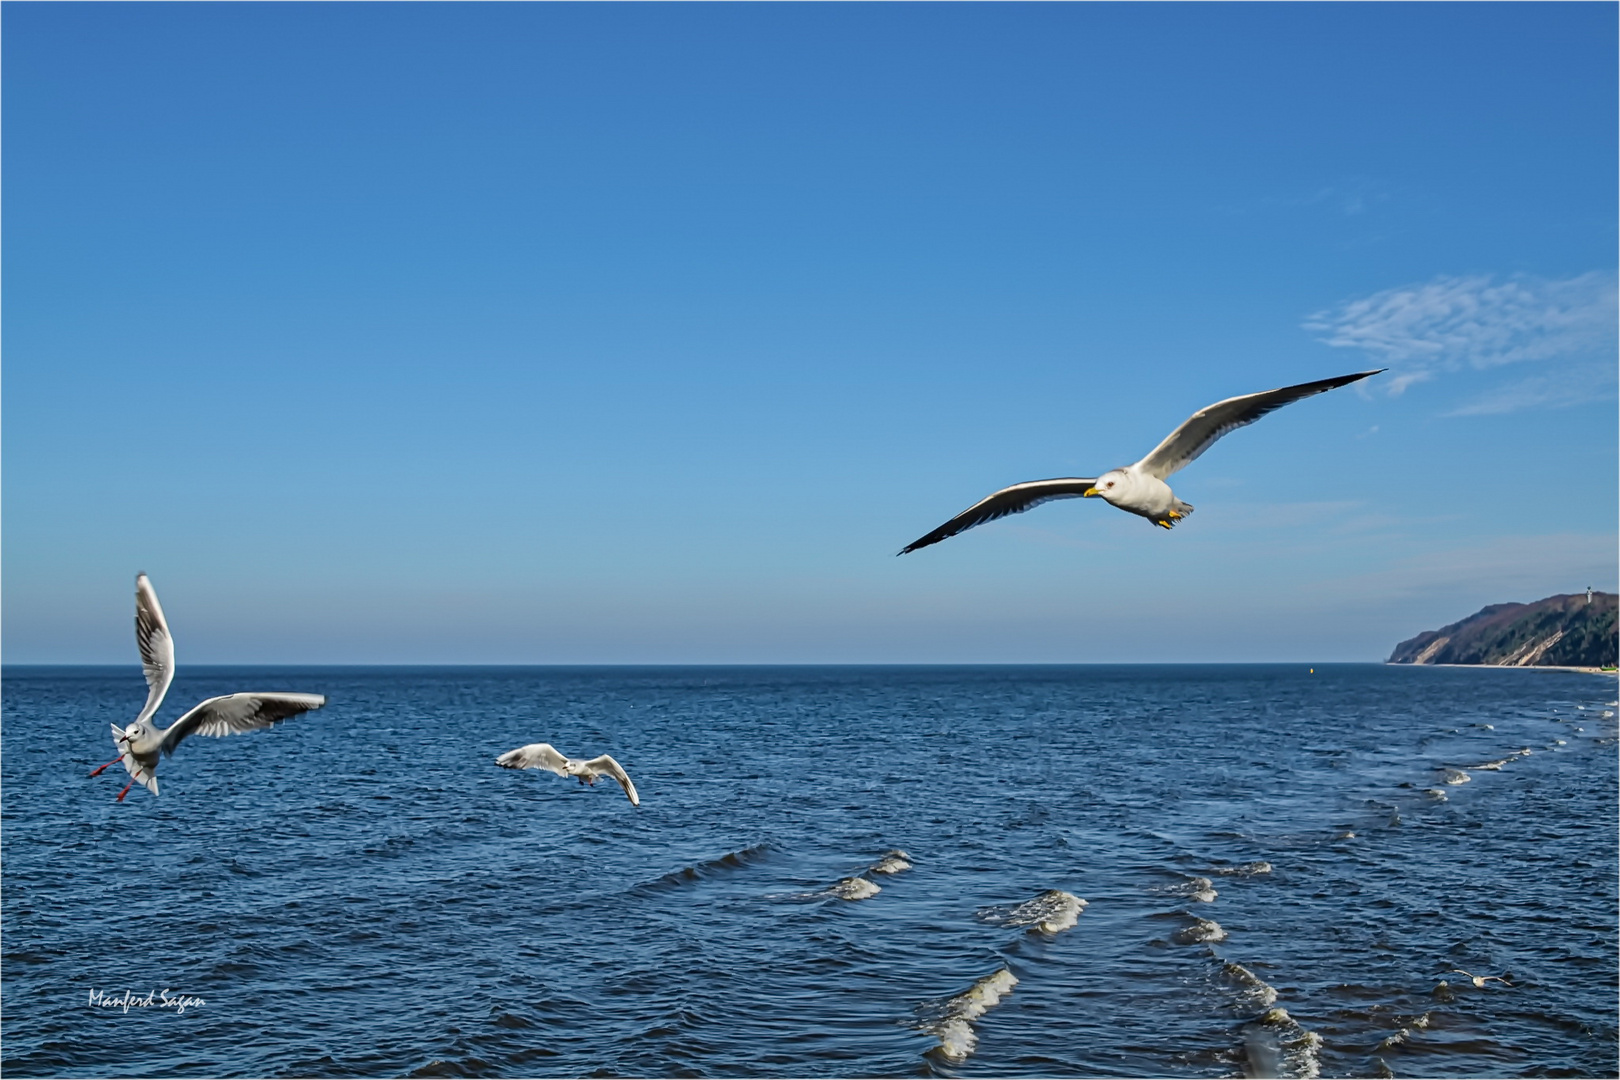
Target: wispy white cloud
(1456,323)
(1567,385)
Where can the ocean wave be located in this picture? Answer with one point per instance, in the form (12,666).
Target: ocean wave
(698,871)
(1275,1045)
(951,1021)
(1403,1034)
(1454,776)
(854,888)
(1198,888)
(1495,766)
(857,886)
(1201,931)
(1246,870)
(1253,991)
(892,863)
(1051,912)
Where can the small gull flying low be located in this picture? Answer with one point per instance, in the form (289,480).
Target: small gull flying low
(1480,980)
(142,743)
(545,756)
(1140,488)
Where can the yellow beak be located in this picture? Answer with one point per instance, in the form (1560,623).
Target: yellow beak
(1088,493)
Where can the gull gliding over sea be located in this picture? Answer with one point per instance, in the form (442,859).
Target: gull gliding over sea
(1140,488)
(545,756)
(141,743)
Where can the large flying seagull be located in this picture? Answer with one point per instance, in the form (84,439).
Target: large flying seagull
(141,745)
(1140,488)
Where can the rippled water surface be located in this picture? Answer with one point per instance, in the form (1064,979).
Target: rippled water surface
(1113,871)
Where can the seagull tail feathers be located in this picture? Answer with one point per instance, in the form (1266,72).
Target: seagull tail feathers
(1177,511)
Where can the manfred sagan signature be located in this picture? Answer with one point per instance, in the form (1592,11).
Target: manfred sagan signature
(155,999)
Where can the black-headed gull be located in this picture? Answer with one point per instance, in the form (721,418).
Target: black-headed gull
(1139,489)
(545,756)
(142,743)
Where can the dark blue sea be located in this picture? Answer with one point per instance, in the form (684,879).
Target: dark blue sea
(1106,871)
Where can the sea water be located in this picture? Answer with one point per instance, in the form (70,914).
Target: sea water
(1107,871)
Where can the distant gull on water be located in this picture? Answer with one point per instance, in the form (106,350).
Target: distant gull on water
(141,744)
(545,756)
(1139,489)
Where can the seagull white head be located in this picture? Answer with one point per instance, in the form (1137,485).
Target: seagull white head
(1109,486)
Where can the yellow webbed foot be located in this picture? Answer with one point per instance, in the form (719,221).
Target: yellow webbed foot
(1164,524)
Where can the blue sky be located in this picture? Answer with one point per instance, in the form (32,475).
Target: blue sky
(618,333)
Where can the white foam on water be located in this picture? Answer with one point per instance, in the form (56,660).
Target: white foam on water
(1436,794)
(1246,870)
(1404,1033)
(892,863)
(1275,1045)
(1202,930)
(956,1038)
(1455,776)
(1496,766)
(1198,888)
(1253,991)
(1051,912)
(953,1027)
(855,888)
(984,995)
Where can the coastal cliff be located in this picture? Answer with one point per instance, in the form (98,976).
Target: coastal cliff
(1560,631)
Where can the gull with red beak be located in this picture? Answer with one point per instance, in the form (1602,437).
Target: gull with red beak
(142,743)
(1139,489)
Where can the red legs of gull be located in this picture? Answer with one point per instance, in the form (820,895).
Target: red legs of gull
(121,794)
(103,768)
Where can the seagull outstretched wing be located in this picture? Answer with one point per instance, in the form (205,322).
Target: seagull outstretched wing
(157,647)
(234,713)
(1200,430)
(606,766)
(538,755)
(1009,500)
